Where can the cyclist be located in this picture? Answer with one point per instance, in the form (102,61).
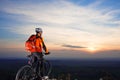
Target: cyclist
(38,44)
(39,68)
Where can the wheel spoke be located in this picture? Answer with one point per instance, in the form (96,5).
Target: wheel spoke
(25,73)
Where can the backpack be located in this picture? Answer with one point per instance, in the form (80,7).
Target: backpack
(29,44)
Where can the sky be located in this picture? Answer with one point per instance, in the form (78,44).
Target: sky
(72,29)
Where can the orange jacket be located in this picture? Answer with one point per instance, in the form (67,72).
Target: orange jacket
(38,45)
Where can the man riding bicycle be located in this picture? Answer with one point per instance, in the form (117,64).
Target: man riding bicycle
(35,44)
(38,68)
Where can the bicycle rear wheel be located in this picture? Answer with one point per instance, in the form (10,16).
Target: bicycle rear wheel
(25,73)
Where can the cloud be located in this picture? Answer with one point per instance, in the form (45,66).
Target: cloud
(60,12)
(65,22)
(72,46)
(65,14)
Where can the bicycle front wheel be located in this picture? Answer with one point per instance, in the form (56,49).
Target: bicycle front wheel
(25,73)
(45,68)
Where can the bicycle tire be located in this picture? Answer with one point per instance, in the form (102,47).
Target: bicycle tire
(46,68)
(24,73)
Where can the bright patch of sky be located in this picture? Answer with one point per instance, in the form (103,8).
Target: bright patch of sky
(79,23)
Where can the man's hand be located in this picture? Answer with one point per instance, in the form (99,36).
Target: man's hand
(47,53)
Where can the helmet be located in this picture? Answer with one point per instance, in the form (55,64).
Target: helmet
(37,30)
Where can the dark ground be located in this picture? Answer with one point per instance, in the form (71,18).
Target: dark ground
(65,69)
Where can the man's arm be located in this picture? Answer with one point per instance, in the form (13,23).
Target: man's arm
(44,46)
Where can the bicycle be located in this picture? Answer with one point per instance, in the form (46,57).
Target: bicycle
(28,72)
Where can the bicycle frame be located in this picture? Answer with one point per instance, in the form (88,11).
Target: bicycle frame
(44,69)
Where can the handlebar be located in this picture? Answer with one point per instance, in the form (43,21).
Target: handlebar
(30,55)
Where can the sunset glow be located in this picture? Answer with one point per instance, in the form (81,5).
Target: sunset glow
(69,26)
(92,49)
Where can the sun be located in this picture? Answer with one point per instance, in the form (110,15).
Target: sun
(92,49)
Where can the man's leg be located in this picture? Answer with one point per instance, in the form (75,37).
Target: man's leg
(41,65)
(35,62)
